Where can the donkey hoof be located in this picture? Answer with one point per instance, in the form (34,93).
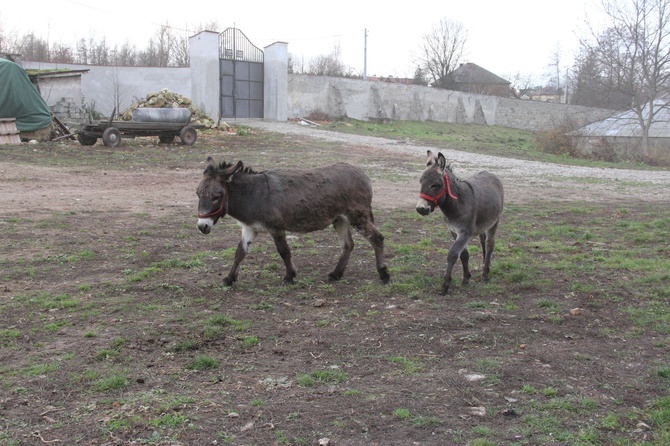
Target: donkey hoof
(287,281)
(385,276)
(334,277)
(228,281)
(444,290)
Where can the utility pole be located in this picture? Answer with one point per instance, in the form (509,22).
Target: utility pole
(365,54)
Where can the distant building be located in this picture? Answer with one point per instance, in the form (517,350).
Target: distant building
(471,78)
(391,79)
(620,136)
(544,94)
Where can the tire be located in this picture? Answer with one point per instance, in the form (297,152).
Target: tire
(86,140)
(188,135)
(111,137)
(166,139)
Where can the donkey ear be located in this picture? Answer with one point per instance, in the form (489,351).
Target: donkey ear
(441,161)
(431,160)
(210,165)
(233,169)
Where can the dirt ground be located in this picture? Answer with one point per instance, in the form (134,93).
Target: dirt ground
(120,246)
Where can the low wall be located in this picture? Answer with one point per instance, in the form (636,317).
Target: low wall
(359,99)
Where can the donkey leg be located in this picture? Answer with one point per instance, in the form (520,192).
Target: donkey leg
(490,245)
(465,260)
(248,236)
(285,253)
(341,226)
(376,239)
(482,242)
(452,257)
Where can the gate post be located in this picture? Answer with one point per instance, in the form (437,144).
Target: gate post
(205,86)
(275,87)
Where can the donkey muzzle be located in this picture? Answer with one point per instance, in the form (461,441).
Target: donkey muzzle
(205,225)
(424,207)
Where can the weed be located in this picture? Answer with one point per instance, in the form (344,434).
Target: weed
(401,413)
(109,383)
(203,362)
(250,341)
(410,366)
(321,377)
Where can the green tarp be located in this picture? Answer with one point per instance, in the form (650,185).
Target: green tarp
(20,99)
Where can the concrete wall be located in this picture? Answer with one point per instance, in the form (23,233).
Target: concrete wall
(102,84)
(289,96)
(54,88)
(358,99)
(205,86)
(275,83)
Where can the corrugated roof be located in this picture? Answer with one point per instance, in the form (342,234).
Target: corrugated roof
(626,124)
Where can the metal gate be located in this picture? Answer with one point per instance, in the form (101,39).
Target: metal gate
(241,71)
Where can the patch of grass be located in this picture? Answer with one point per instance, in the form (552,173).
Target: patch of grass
(42,369)
(8,336)
(169,420)
(145,273)
(186,345)
(215,326)
(332,376)
(109,383)
(410,366)
(250,341)
(203,362)
(401,413)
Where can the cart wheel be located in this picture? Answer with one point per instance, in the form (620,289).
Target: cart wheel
(111,137)
(86,140)
(166,139)
(188,135)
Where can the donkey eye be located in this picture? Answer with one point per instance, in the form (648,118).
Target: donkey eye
(435,186)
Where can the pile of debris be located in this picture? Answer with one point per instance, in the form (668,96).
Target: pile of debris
(168,99)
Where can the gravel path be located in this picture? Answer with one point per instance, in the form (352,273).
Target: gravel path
(513,167)
(531,179)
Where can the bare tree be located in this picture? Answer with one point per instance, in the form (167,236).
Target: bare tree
(296,64)
(99,52)
(3,37)
(61,53)
(520,84)
(419,77)
(594,85)
(32,48)
(180,55)
(555,70)
(117,91)
(329,64)
(126,55)
(635,52)
(442,50)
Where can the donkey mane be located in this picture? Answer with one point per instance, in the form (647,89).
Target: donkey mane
(224,165)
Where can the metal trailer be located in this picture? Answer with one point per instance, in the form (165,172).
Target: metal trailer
(112,132)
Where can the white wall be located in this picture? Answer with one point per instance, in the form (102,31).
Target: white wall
(99,85)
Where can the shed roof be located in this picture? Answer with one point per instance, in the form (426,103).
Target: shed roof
(626,124)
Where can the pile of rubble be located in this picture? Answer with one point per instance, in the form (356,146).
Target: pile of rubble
(168,99)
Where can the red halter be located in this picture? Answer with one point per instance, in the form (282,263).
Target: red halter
(446,189)
(224,201)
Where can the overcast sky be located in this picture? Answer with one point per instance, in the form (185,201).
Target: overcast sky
(506,37)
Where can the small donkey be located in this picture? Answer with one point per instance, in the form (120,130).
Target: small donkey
(471,207)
